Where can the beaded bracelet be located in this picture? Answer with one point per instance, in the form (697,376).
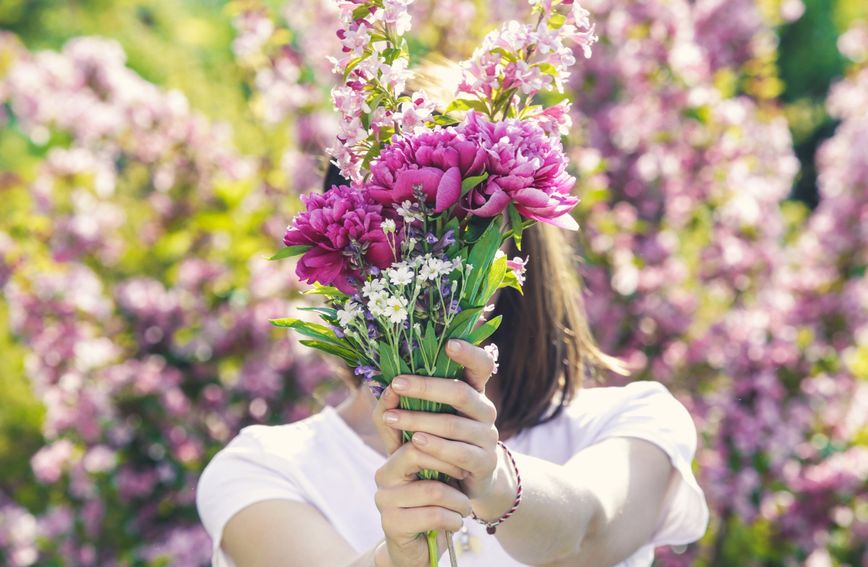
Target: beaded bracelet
(491,527)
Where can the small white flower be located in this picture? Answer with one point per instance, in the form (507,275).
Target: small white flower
(377,304)
(497,255)
(492,351)
(406,212)
(349,313)
(372,287)
(444,267)
(388,226)
(396,309)
(401,275)
(429,270)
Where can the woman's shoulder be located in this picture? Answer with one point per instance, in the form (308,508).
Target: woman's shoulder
(603,403)
(644,409)
(287,440)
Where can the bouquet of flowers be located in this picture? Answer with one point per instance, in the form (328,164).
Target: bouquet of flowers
(407,255)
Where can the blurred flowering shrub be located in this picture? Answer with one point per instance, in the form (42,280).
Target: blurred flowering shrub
(132,237)
(134,271)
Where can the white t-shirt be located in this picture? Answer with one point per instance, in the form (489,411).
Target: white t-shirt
(322,461)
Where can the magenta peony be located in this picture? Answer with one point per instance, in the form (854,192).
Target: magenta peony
(526,167)
(343,228)
(437,160)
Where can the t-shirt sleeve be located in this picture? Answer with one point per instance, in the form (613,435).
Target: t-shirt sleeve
(653,414)
(238,476)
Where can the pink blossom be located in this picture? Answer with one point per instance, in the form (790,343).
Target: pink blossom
(342,228)
(525,167)
(436,160)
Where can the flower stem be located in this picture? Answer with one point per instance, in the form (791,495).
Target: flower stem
(433,554)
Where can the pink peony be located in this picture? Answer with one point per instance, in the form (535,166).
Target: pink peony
(526,167)
(436,160)
(342,227)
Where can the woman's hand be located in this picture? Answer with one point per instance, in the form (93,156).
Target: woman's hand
(410,507)
(467,440)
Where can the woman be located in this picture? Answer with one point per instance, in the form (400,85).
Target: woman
(604,472)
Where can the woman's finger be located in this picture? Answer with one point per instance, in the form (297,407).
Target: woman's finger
(444,425)
(457,393)
(391,437)
(478,462)
(407,461)
(478,364)
(424,493)
(410,522)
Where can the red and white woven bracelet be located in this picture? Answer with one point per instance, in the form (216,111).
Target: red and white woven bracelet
(491,527)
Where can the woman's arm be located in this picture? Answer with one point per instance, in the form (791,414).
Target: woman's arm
(285,533)
(597,509)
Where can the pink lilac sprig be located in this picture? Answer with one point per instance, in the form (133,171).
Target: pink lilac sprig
(372,101)
(517,61)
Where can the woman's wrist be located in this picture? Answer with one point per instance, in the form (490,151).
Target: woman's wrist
(501,495)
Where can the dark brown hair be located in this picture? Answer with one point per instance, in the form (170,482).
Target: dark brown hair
(546,348)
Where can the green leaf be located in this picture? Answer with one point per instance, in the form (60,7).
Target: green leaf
(353,63)
(444,120)
(466,104)
(349,356)
(493,281)
(429,342)
(463,323)
(445,366)
(556,21)
(283,322)
(288,251)
(471,182)
(532,109)
(312,330)
(361,12)
(387,361)
(327,291)
(515,223)
(481,256)
(505,54)
(547,69)
(509,280)
(484,331)
(325,311)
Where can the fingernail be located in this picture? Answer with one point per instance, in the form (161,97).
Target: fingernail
(453,346)
(420,439)
(390,417)
(400,383)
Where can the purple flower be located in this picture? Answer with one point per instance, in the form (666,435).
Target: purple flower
(368,372)
(375,387)
(526,168)
(436,160)
(342,227)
